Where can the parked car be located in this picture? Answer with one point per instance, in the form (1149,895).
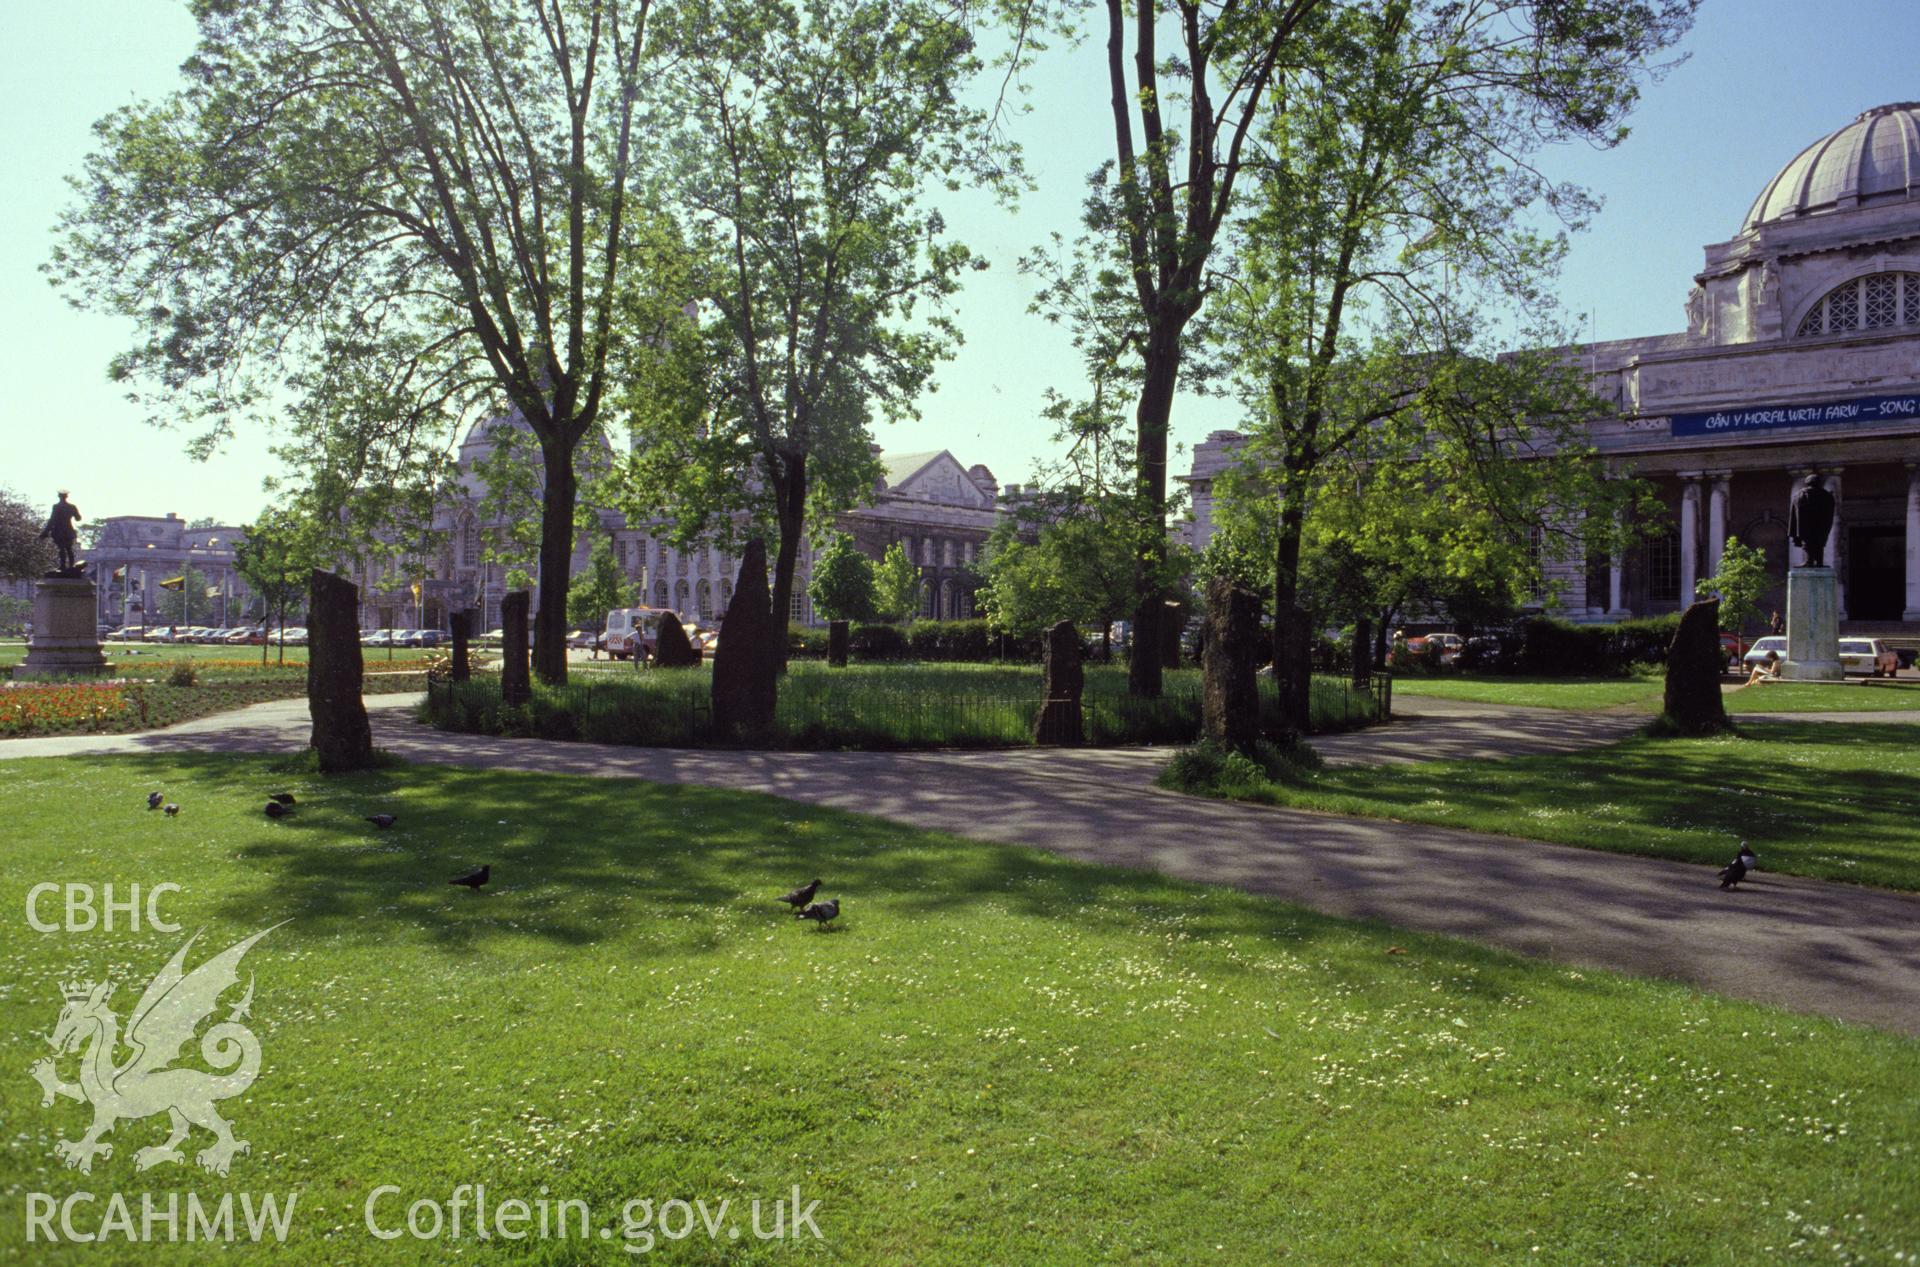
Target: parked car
(1868,655)
(376,638)
(430,638)
(297,636)
(492,638)
(1758,651)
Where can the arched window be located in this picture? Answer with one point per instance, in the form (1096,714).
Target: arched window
(928,600)
(660,594)
(706,600)
(947,605)
(726,595)
(470,543)
(680,607)
(1878,301)
(797,606)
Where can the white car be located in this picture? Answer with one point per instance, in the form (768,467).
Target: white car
(1758,651)
(1869,656)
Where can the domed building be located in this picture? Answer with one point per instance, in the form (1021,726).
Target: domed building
(1800,356)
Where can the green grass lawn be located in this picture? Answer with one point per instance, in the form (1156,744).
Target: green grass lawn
(1001,1056)
(1642,693)
(140,655)
(1832,800)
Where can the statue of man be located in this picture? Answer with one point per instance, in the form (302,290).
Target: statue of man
(1810,519)
(60,527)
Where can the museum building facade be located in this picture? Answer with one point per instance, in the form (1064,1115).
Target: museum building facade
(1801,356)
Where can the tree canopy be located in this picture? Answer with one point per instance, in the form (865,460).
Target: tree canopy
(374,220)
(842,586)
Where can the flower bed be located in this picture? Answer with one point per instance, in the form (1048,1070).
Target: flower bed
(58,707)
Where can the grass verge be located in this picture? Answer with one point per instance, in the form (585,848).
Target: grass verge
(1824,799)
(1643,691)
(1001,1056)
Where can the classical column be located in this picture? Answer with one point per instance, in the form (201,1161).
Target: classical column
(1913,542)
(1616,573)
(1689,534)
(1717,482)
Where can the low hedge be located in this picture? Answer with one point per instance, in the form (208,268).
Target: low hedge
(1544,646)
(952,641)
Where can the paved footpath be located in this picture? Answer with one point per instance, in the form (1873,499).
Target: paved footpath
(1833,949)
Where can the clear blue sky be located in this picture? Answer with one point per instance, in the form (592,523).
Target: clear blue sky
(1765,78)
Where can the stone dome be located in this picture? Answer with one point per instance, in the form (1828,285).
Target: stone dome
(1873,160)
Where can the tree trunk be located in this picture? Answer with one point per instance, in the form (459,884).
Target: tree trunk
(1290,640)
(1162,367)
(556,563)
(790,495)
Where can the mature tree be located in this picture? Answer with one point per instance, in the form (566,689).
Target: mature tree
(809,133)
(602,588)
(396,212)
(1390,226)
(1079,565)
(276,557)
(896,585)
(1156,214)
(14,612)
(22,552)
(842,586)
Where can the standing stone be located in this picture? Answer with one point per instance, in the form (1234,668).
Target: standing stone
(66,639)
(839,634)
(1363,653)
(1293,666)
(341,734)
(1230,704)
(516,677)
(1693,702)
(462,669)
(672,649)
(1061,723)
(746,668)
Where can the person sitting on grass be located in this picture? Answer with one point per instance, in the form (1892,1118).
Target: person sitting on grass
(1768,670)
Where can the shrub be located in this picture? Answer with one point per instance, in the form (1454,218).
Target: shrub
(182,673)
(877,642)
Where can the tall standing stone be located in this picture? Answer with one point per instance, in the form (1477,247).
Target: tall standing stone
(1173,624)
(516,677)
(1230,704)
(1061,722)
(462,669)
(341,734)
(1363,653)
(1693,702)
(839,636)
(672,649)
(746,667)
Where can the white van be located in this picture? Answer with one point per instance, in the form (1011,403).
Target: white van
(633,630)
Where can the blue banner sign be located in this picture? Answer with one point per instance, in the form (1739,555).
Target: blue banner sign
(1837,413)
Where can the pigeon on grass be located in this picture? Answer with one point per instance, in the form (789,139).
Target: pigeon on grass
(171,810)
(825,912)
(475,878)
(276,809)
(284,798)
(802,895)
(154,799)
(382,821)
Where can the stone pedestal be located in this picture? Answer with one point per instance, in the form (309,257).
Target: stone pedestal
(1813,626)
(66,639)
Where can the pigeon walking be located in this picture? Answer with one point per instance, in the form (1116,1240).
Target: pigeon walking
(171,811)
(277,810)
(283,798)
(474,879)
(825,912)
(382,821)
(802,895)
(1748,858)
(1733,872)
(154,799)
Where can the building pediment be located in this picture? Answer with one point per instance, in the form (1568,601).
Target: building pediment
(936,477)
